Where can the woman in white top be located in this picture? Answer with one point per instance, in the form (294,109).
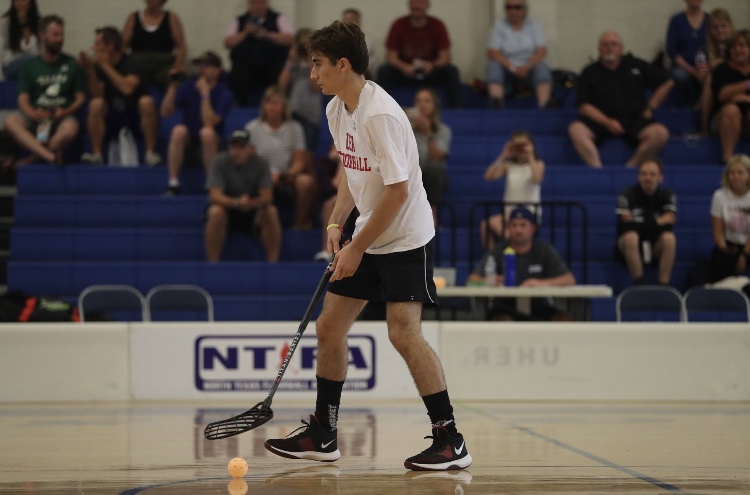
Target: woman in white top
(433,144)
(280,140)
(523,172)
(730,219)
(18,39)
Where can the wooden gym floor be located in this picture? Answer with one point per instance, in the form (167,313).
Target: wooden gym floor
(518,448)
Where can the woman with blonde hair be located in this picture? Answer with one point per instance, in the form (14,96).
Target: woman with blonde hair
(731,91)
(730,219)
(281,141)
(433,144)
(524,172)
(719,30)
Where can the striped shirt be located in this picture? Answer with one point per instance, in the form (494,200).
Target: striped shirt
(276,146)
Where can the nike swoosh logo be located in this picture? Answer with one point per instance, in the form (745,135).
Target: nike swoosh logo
(460,449)
(324,445)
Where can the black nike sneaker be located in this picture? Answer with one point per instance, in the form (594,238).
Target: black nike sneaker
(447,452)
(314,443)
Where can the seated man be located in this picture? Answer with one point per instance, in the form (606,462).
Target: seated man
(418,51)
(241,196)
(538,264)
(611,98)
(117,97)
(205,103)
(645,222)
(51,89)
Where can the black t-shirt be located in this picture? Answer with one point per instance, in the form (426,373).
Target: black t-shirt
(619,93)
(118,101)
(645,209)
(236,180)
(724,74)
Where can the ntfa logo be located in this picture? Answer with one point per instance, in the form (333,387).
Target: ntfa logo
(242,363)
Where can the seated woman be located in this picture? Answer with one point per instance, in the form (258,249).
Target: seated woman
(516,50)
(524,173)
(157,44)
(719,30)
(731,91)
(18,38)
(281,141)
(433,145)
(686,40)
(730,220)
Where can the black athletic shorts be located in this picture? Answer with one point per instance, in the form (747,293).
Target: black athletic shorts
(393,277)
(633,128)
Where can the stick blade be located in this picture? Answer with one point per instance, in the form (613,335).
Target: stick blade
(252,418)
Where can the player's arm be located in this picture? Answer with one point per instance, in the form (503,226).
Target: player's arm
(341,211)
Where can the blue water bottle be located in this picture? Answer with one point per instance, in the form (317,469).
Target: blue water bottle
(509,267)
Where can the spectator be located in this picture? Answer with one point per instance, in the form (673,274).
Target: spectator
(730,220)
(433,145)
(731,91)
(157,43)
(205,102)
(259,42)
(516,50)
(305,98)
(329,170)
(51,89)
(418,51)
(18,37)
(240,192)
(538,264)
(719,30)
(646,215)
(281,141)
(524,172)
(611,99)
(686,48)
(355,16)
(117,97)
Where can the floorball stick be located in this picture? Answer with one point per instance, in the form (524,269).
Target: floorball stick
(261,413)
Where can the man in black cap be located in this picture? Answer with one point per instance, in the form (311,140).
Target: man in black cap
(538,264)
(205,103)
(241,194)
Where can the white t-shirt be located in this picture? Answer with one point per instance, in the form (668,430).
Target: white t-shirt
(519,188)
(377,147)
(735,212)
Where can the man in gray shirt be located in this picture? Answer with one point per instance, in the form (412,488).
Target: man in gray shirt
(240,191)
(537,264)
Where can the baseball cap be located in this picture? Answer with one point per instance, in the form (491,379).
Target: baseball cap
(521,212)
(240,136)
(208,58)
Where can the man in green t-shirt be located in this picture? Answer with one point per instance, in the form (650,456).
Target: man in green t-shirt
(51,89)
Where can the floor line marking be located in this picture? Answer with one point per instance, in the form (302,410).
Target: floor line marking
(593,457)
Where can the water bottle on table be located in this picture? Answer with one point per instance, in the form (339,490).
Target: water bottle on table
(490,271)
(509,262)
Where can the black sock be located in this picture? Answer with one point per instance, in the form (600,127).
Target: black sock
(327,403)
(440,411)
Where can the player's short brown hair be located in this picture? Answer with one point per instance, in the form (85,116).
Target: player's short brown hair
(341,40)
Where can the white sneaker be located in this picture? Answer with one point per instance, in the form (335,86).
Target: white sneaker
(92,158)
(322,256)
(152,158)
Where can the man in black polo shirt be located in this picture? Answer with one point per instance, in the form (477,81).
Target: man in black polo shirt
(611,98)
(646,214)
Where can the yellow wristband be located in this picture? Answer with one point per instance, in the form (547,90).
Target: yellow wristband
(333,225)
